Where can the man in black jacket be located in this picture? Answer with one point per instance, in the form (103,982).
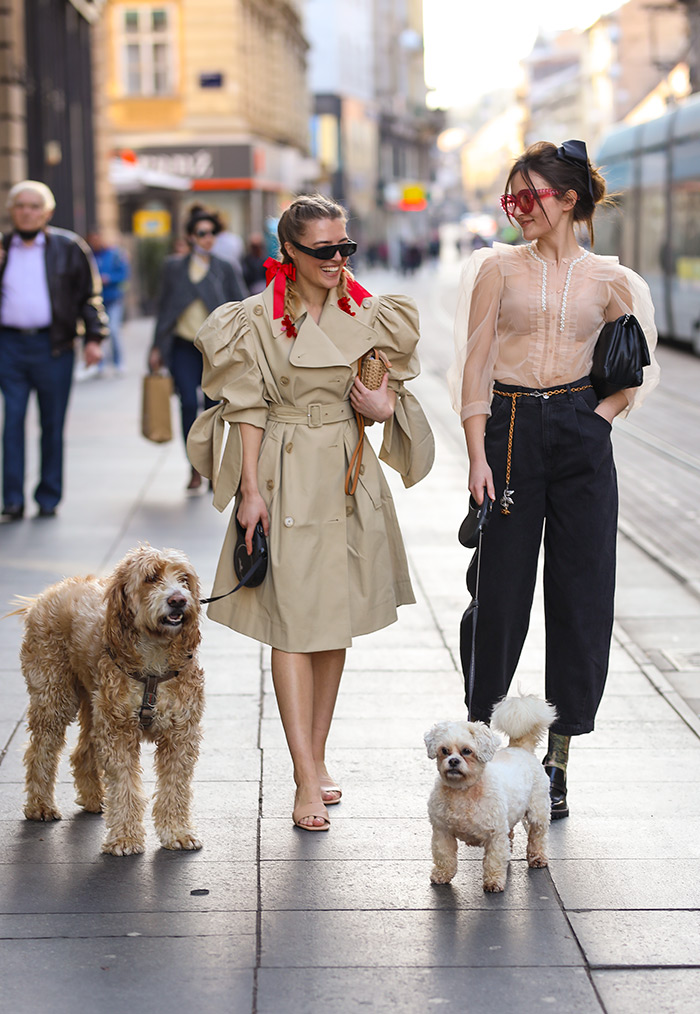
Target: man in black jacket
(49,286)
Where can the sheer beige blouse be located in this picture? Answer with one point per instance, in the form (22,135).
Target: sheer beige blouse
(523,320)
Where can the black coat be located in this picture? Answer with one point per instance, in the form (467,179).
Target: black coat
(75,289)
(218,286)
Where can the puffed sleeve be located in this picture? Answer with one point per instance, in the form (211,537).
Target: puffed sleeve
(629,293)
(408,444)
(470,378)
(231,376)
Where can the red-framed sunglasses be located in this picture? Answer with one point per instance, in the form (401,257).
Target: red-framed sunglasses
(525,200)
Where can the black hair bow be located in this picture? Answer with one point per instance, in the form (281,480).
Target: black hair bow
(574,153)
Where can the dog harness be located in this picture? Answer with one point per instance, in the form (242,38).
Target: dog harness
(151,682)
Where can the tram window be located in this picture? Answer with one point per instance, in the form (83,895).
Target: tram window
(686,220)
(652,210)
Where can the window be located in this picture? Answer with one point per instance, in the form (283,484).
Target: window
(147,49)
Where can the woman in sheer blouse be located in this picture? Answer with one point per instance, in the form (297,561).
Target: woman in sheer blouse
(539,441)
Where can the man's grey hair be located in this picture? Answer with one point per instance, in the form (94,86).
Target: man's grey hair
(36,187)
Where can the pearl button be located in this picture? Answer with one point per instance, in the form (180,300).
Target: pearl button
(288,522)
(257,309)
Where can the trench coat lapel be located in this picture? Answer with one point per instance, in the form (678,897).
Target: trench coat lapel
(337,340)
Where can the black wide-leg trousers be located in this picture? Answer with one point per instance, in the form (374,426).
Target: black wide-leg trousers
(563,480)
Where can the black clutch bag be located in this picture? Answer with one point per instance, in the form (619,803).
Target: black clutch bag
(475,522)
(250,570)
(620,355)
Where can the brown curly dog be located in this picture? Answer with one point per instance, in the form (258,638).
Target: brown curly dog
(120,654)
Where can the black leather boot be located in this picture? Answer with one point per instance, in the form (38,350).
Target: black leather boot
(557,791)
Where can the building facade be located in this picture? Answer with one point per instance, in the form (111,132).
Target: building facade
(213,93)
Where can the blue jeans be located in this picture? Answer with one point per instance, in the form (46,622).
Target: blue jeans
(186,370)
(26,365)
(115,313)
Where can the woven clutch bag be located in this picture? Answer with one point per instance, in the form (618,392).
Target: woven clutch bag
(372,370)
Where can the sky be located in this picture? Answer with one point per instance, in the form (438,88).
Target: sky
(474,46)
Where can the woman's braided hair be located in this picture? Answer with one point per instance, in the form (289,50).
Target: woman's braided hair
(291,227)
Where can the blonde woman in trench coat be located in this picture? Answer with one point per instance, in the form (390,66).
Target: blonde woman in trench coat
(283,365)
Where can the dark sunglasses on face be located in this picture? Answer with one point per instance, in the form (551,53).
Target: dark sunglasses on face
(327,253)
(525,200)
(200,233)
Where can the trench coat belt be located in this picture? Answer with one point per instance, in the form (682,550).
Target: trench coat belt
(314,415)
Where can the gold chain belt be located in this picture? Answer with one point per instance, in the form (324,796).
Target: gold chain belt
(506,500)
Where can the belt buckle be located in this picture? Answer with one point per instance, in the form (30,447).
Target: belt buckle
(541,394)
(313,415)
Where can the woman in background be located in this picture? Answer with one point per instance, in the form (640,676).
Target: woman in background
(192,287)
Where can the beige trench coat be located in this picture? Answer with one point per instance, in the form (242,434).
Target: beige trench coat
(337,566)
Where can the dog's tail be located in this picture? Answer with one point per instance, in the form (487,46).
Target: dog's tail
(23,602)
(524,719)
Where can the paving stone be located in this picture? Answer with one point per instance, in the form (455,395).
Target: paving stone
(149,925)
(638,938)
(475,939)
(129,884)
(417,990)
(603,836)
(654,990)
(627,884)
(178,975)
(356,885)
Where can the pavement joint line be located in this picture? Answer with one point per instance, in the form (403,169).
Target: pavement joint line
(656,678)
(431,610)
(672,567)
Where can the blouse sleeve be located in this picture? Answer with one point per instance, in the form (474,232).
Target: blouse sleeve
(470,378)
(629,293)
(408,444)
(230,372)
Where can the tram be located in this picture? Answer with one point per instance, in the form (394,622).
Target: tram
(653,169)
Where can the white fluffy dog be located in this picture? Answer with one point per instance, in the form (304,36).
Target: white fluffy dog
(481,793)
(121,655)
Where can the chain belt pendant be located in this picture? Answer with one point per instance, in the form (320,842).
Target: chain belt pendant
(506,500)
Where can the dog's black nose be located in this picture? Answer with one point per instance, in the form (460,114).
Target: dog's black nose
(177,600)
(454,762)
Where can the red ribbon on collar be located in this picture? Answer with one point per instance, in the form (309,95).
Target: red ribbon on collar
(280,272)
(356,291)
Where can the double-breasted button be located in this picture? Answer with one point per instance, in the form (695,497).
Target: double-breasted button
(270,483)
(288,522)
(257,309)
(288,447)
(349,511)
(366,303)
(284,381)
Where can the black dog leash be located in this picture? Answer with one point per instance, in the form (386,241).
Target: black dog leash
(475,616)
(259,563)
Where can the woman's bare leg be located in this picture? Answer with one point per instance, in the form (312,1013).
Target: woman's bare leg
(306,686)
(328,669)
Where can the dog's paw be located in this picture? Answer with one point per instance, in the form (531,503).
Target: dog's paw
(440,876)
(494,886)
(41,811)
(123,846)
(90,805)
(537,862)
(182,841)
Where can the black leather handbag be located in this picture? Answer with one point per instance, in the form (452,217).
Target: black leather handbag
(620,355)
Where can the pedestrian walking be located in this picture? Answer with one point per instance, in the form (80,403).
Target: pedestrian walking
(539,440)
(191,288)
(284,364)
(114,273)
(48,284)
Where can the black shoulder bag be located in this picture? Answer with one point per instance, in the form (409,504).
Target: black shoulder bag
(620,355)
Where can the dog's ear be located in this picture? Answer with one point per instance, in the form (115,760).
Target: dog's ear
(433,738)
(486,742)
(118,616)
